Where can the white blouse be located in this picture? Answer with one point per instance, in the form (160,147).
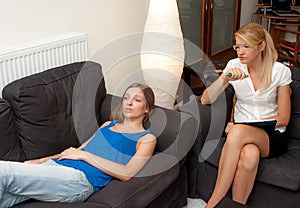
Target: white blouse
(254,105)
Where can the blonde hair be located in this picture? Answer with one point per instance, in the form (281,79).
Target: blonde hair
(117,114)
(254,35)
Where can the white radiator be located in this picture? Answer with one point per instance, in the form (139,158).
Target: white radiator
(39,55)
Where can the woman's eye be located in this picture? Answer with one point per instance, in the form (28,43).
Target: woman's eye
(247,46)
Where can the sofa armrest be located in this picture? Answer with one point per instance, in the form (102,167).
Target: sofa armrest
(202,114)
(9,141)
(142,189)
(212,120)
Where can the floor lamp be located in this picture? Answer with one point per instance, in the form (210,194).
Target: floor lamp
(162,51)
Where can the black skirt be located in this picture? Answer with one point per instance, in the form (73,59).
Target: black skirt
(277,143)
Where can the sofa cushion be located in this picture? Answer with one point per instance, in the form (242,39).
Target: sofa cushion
(282,171)
(293,127)
(57,108)
(38,204)
(9,142)
(170,127)
(295,97)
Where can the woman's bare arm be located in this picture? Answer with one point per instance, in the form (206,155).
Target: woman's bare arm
(284,106)
(211,93)
(145,149)
(41,160)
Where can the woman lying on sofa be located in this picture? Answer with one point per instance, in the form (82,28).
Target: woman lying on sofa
(119,149)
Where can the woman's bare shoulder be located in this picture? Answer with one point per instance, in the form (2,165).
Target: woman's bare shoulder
(147,138)
(105,124)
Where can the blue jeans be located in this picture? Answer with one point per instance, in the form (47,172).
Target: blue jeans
(49,182)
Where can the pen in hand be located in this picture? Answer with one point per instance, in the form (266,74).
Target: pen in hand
(230,75)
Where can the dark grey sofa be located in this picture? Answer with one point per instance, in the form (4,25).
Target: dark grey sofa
(45,113)
(278,181)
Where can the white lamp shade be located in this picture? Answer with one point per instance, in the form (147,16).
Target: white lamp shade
(162,51)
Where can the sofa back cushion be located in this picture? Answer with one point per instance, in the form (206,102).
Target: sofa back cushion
(9,142)
(175,131)
(57,108)
(283,171)
(293,128)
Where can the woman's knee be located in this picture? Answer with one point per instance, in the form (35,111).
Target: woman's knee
(249,157)
(242,135)
(237,133)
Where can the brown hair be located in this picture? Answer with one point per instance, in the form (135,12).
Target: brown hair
(254,34)
(117,114)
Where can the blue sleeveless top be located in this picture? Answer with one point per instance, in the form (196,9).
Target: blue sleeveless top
(114,146)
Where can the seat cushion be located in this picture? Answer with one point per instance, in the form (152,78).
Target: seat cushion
(9,142)
(282,171)
(57,108)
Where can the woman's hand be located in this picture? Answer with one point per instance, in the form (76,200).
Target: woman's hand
(72,154)
(36,161)
(228,127)
(211,93)
(235,74)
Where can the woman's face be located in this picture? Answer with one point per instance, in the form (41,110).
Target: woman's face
(134,104)
(246,53)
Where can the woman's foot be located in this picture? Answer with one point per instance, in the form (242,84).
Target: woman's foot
(196,203)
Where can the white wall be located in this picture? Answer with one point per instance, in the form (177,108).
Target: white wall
(248,8)
(103,20)
(111,25)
